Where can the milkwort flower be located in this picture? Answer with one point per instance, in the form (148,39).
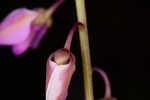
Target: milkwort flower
(60,68)
(107,84)
(24,28)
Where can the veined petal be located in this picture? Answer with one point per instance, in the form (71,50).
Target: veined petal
(58,77)
(16,26)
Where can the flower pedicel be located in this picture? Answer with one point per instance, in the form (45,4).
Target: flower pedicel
(107,84)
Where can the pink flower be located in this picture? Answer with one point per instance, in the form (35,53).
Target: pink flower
(107,84)
(59,75)
(24,28)
(60,68)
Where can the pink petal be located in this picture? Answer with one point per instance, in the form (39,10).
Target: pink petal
(41,32)
(15,28)
(20,48)
(33,40)
(58,78)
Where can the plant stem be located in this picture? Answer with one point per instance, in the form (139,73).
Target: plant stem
(85,52)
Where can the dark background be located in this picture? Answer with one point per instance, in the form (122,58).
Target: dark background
(119,41)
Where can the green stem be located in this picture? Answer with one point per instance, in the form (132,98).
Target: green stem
(85,52)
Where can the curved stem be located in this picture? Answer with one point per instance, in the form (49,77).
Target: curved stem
(85,52)
(70,35)
(53,8)
(106,81)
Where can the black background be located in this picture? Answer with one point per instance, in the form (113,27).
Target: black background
(119,43)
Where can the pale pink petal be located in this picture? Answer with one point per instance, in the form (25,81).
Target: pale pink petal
(20,48)
(58,78)
(16,26)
